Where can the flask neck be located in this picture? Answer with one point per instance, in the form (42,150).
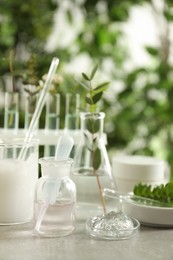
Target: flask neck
(54,168)
(92,123)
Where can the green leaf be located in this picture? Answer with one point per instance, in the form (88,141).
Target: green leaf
(97,97)
(87,142)
(69,16)
(94,143)
(168,16)
(152,51)
(89,125)
(101,87)
(93,71)
(85,76)
(96,125)
(25,89)
(96,159)
(89,100)
(93,125)
(84,85)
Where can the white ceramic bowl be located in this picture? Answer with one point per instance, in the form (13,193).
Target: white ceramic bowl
(131,170)
(128,185)
(149,215)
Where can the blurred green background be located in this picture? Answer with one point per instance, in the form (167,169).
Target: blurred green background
(139,101)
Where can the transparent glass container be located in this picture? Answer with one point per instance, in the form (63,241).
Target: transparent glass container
(72,107)
(91,171)
(30,106)
(55,199)
(11,118)
(115,224)
(52,119)
(18,177)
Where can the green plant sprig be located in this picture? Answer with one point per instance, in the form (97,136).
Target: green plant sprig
(162,193)
(93,94)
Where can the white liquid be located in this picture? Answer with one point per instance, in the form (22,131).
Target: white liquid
(17,185)
(88,198)
(59,219)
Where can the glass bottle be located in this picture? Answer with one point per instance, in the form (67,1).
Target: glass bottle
(91,170)
(55,199)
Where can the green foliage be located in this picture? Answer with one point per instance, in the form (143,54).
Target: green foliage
(30,74)
(24,27)
(92,97)
(139,116)
(96,159)
(93,125)
(30,20)
(162,193)
(93,94)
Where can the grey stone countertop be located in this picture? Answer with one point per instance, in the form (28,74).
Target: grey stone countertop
(18,242)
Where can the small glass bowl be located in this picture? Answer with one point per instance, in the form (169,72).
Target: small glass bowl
(116,234)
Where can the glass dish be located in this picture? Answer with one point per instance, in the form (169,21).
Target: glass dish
(115,232)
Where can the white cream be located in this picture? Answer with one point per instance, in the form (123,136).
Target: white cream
(17,185)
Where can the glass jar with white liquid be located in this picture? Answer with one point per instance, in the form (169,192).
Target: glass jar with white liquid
(18,177)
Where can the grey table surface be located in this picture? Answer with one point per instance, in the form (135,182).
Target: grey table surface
(18,242)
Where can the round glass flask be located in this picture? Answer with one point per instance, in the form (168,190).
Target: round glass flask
(91,170)
(55,199)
